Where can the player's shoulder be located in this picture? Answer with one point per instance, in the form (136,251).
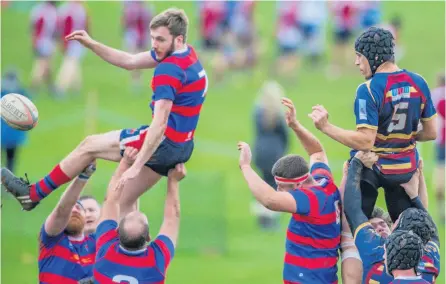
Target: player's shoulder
(417,78)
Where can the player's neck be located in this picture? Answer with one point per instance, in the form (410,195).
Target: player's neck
(404,273)
(387,67)
(180,49)
(78,237)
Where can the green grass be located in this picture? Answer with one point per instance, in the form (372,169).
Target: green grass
(215,199)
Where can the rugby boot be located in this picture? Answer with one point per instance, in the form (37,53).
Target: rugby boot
(19,188)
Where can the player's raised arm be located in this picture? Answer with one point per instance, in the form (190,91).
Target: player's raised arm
(352,194)
(366,111)
(119,58)
(110,209)
(58,219)
(264,193)
(311,144)
(171,222)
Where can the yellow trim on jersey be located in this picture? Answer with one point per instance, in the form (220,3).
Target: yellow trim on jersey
(360,227)
(365,125)
(380,268)
(374,149)
(428,118)
(428,264)
(396,135)
(422,106)
(371,281)
(367,84)
(397,167)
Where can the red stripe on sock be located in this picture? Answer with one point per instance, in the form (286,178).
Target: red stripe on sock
(58,176)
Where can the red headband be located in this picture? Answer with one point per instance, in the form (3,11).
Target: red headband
(291,180)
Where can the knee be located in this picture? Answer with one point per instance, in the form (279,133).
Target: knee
(90,144)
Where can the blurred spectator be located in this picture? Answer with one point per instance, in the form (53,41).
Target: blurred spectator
(345,22)
(135,21)
(438,97)
(370,14)
(72,16)
(239,42)
(43,31)
(312,18)
(11,139)
(271,143)
(288,39)
(212,16)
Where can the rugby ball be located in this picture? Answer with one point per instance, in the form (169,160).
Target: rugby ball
(19,112)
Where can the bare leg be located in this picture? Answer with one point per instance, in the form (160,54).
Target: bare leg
(135,188)
(99,146)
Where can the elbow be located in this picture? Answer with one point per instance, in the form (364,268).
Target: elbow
(366,145)
(432,135)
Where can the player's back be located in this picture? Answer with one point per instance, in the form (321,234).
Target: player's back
(314,232)
(143,266)
(401,99)
(65,260)
(183,72)
(429,266)
(409,280)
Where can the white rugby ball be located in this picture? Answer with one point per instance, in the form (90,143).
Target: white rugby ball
(19,112)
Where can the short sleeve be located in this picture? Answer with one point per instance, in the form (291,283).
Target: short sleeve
(366,109)
(49,241)
(106,234)
(303,201)
(427,108)
(321,170)
(164,247)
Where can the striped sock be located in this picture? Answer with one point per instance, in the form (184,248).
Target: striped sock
(48,184)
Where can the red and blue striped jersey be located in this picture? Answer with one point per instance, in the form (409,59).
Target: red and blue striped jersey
(371,249)
(429,266)
(182,79)
(394,104)
(410,280)
(314,232)
(114,264)
(63,259)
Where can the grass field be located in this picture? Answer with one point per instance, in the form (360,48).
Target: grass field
(219,240)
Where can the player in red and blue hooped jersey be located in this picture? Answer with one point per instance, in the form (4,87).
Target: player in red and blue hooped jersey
(123,254)
(369,242)
(179,87)
(388,109)
(66,255)
(314,231)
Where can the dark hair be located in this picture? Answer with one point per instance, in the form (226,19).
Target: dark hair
(175,20)
(290,166)
(404,250)
(133,242)
(378,212)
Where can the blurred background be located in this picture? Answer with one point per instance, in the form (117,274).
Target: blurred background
(254,52)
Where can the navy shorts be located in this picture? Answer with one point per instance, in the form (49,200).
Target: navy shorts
(167,155)
(343,35)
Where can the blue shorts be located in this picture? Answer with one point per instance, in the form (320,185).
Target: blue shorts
(343,35)
(440,153)
(167,155)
